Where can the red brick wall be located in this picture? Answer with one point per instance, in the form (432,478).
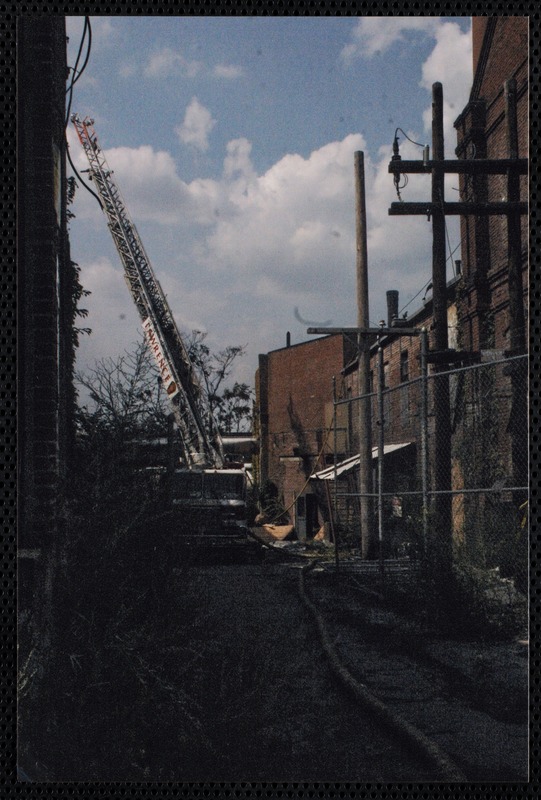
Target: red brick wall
(482,133)
(295,389)
(478,32)
(507,52)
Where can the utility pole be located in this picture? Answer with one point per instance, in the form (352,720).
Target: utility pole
(365,415)
(513,208)
(442,545)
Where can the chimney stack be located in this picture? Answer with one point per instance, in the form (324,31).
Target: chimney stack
(288,339)
(392,306)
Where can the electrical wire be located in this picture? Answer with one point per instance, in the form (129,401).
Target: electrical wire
(88,49)
(76,75)
(87,31)
(397,157)
(415,296)
(407,137)
(451,254)
(397,184)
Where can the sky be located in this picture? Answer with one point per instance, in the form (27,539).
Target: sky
(232,141)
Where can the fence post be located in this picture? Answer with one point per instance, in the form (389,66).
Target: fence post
(381,446)
(335,428)
(424,435)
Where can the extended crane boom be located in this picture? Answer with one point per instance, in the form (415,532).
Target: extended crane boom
(201,442)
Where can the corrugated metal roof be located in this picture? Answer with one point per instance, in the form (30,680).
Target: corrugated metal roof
(328,473)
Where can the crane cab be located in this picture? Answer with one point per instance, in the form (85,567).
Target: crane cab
(209,505)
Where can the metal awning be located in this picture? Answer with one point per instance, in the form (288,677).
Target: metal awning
(329,473)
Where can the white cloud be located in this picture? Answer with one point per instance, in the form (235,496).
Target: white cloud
(127,70)
(103,29)
(112,316)
(167,61)
(284,222)
(374,35)
(450,63)
(237,254)
(228,71)
(197,125)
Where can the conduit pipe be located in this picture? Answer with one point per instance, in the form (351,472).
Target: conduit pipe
(426,747)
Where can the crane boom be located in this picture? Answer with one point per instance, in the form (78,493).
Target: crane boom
(201,442)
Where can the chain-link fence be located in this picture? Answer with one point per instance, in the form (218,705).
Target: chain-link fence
(447,465)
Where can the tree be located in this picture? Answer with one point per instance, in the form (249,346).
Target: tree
(125,401)
(230,407)
(234,409)
(126,396)
(124,405)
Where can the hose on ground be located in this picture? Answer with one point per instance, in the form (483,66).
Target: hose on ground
(426,747)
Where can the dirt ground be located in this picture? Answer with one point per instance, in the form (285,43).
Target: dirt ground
(470,695)
(215,672)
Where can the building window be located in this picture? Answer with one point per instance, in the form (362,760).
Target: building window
(404,366)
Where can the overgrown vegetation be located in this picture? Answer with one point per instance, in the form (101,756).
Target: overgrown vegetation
(121,638)
(469,603)
(231,407)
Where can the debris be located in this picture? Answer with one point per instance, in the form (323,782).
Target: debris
(279,532)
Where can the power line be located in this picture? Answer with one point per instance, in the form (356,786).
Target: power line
(87,31)
(89,47)
(76,75)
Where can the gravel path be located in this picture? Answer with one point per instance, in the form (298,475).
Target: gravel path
(271,707)
(217,673)
(471,698)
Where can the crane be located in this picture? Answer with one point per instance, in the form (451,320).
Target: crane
(201,441)
(208,495)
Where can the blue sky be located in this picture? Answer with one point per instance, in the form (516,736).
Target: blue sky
(233,141)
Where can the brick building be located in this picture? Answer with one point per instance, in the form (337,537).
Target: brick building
(492,307)
(46,280)
(500,55)
(402,410)
(294,421)
(482,312)
(294,398)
